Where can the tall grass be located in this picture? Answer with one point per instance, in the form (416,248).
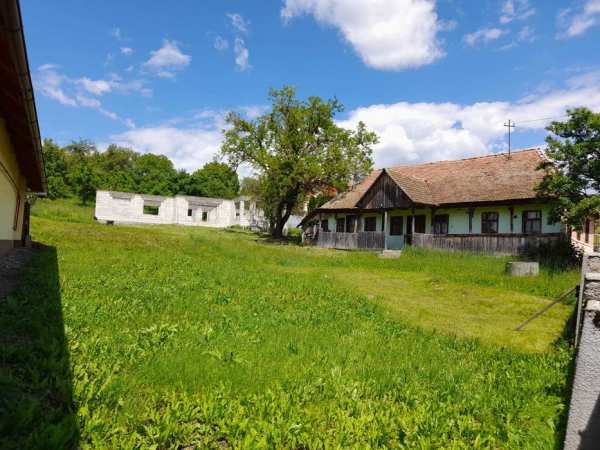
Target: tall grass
(195,337)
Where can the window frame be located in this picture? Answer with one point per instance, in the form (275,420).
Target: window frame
(371,220)
(527,220)
(441,220)
(324,225)
(486,221)
(204,216)
(147,208)
(340,225)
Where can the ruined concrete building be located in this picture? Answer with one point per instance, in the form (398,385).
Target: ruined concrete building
(128,208)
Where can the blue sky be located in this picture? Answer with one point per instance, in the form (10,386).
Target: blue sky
(435,80)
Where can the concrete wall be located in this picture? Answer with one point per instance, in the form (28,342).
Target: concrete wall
(583,427)
(128,208)
(12,193)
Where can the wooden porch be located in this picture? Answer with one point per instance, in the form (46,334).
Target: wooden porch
(362,240)
(497,244)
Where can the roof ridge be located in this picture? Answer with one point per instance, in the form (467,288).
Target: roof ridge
(520,150)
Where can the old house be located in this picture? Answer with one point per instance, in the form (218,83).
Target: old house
(130,208)
(486,203)
(21,161)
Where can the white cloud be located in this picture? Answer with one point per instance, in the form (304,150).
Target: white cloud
(387,34)
(573,24)
(71,92)
(238,22)
(241,54)
(167,60)
(526,34)
(96,87)
(116,33)
(221,43)
(515,10)
(415,132)
(483,35)
(188,148)
(50,82)
(126,51)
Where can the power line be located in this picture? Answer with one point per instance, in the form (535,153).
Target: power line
(544,118)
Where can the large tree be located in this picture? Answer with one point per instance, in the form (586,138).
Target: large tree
(155,174)
(573,170)
(83,173)
(55,162)
(215,179)
(297,149)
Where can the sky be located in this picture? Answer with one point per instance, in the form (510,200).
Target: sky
(434,79)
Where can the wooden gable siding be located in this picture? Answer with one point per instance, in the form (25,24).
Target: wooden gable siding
(384,193)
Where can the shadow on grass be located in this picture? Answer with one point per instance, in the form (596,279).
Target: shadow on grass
(36,402)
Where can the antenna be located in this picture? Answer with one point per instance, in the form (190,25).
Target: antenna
(509,125)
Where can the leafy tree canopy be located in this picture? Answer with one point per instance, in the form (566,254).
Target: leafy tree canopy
(215,180)
(573,172)
(79,169)
(297,149)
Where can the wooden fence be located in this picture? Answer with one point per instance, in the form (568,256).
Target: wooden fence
(500,244)
(366,240)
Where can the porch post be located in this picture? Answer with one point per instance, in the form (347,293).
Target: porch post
(385,226)
(412,211)
(471,212)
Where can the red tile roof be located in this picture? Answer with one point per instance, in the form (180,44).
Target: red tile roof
(490,178)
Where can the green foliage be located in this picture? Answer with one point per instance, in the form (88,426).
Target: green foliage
(80,169)
(55,159)
(155,174)
(83,174)
(573,175)
(318,201)
(181,337)
(297,149)
(214,180)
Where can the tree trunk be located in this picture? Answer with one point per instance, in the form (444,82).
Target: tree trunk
(281,220)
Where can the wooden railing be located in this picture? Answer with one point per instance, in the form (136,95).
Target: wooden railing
(499,244)
(367,240)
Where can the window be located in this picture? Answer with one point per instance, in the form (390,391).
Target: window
(325,225)
(204,216)
(350,223)
(440,224)
(370,223)
(396,226)
(151,210)
(190,212)
(489,222)
(532,222)
(340,225)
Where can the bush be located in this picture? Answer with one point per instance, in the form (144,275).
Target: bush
(557,256)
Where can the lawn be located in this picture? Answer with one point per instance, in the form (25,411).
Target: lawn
(173,337)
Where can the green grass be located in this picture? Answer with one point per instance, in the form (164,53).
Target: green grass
(172,336)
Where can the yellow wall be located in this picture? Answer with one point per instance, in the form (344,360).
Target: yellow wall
(12,185)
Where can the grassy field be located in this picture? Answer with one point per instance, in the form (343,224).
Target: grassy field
(168,337)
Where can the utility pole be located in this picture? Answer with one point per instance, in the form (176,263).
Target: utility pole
(509,125)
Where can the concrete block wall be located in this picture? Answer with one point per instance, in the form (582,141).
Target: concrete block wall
(583,427)
(128,208)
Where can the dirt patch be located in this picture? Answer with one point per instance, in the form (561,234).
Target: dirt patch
(12,265)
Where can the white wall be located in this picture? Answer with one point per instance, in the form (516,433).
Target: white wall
(118,207)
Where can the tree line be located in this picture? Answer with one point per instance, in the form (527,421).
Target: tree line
(79,169)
